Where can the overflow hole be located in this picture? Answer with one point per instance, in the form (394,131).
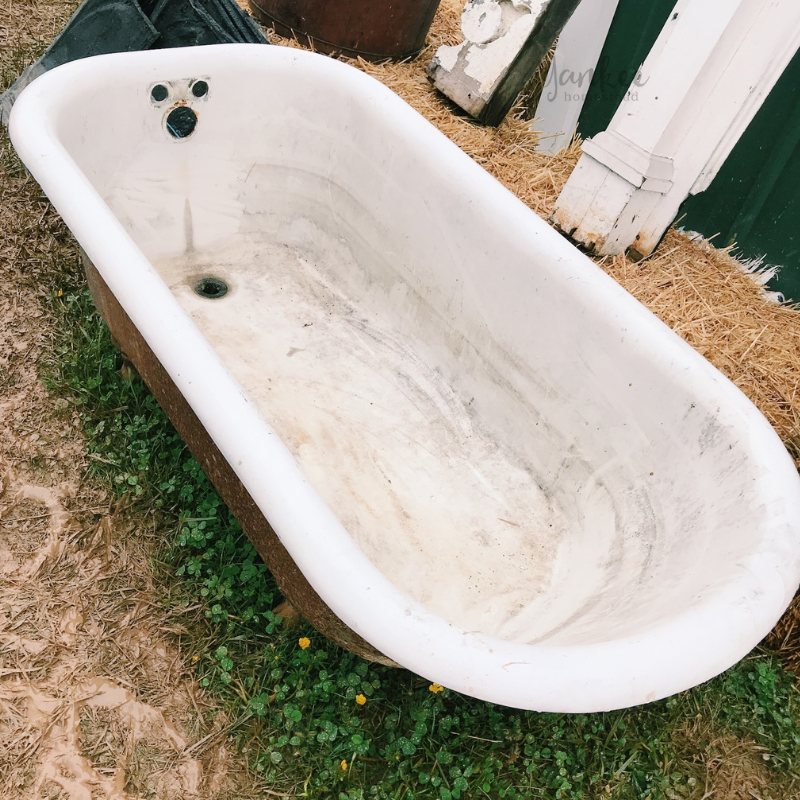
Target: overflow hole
(212,288)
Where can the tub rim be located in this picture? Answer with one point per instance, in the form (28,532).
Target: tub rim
(580,678)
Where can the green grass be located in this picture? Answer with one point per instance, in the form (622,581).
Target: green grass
(299,719)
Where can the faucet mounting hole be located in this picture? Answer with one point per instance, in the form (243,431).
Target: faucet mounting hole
(159,93)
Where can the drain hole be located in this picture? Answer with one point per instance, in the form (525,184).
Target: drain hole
(181,122)
(199,88)
(159,92)
(212,288)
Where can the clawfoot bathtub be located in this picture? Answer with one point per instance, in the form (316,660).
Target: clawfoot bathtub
(458,444)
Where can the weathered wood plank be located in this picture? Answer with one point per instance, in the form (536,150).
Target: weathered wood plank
(505,40)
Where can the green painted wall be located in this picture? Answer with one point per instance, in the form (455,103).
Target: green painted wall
(754,201)
(633,32)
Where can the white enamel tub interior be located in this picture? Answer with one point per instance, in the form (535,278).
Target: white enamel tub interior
(487,458)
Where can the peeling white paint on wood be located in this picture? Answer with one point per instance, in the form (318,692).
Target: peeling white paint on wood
(568,79)
(698,89)
(488,63)
(504,40)
(494,32)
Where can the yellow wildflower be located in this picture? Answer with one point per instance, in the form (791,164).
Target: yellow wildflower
(344,765)
(195,658)
(435,688)
(305,643)
(60,292)
(360,699)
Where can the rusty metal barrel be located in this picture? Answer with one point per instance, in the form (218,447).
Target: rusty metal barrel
(376,30)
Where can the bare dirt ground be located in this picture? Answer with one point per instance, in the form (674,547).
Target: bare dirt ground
(97,699)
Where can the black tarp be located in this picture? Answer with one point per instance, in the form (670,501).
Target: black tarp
(120,26)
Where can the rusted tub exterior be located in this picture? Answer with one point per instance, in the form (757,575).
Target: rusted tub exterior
(373,29)
(291,582)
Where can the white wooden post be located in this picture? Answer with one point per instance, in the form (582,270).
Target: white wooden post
(706,76)
(574,63)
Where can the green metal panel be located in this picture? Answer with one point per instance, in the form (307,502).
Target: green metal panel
(754,201)
(633,32)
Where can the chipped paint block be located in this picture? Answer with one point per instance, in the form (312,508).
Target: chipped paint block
(615,185)
(504,41)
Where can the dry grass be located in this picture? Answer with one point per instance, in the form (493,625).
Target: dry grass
(26,29)
(723,767)
(94,690)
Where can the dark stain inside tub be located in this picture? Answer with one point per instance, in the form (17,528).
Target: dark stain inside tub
(211,288)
